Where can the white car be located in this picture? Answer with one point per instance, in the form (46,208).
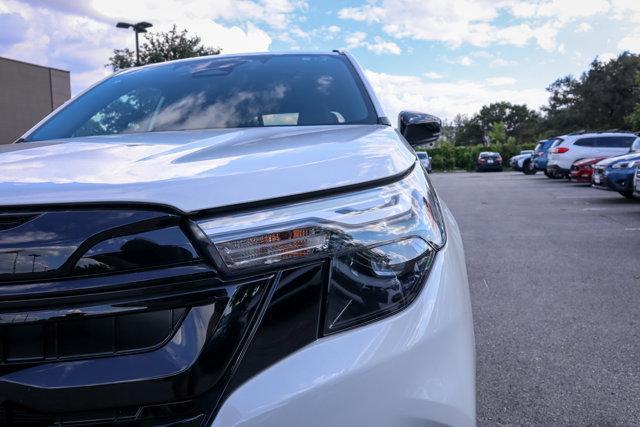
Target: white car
(517,162)
(569,148)
(236,240)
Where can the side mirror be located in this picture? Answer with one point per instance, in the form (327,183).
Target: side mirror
(419,128)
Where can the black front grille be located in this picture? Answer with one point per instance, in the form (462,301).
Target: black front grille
(119,317)
(17,416)
(84,337)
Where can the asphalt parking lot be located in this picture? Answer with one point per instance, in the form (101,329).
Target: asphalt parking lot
(554,272)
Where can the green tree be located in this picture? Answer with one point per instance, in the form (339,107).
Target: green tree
(633,119)
(498,133)
(160,47)
(520,122)
(602,98)
(468,131)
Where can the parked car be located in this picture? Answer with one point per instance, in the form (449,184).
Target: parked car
(489,161)
(582,145)
(233,240)
(539,160)
(582,170)
(636,183)
(425,160)
(617,173)
(517,162)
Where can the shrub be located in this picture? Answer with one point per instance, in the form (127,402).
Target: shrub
(446,156)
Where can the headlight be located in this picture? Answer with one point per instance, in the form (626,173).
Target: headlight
(624,165)
(381,243)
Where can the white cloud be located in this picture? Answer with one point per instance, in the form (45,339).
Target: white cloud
(627,10)
(562,10)
(583,27)
(500,81)
(399,92)
(501,62)
(379,46)
(607,56)
(433,75)
(278,14)
(367,13)
(631,42)
(464,60)
(355,40)
(52,36)
(473,21)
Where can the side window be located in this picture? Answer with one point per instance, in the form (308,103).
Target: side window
(616,141)
(132,112)
(586,142)
(557,142)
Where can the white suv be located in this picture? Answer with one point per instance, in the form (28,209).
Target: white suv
(569,148)
(236,240)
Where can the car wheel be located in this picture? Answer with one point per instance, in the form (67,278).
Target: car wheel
(529,168)
(626,194)
(547,174)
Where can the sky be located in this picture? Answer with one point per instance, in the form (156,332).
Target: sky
(444,57)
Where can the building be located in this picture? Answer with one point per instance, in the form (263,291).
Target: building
(28,92)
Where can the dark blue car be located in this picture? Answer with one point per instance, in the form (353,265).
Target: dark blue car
(540,155)
(616,173)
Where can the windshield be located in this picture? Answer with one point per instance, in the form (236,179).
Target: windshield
(218,92)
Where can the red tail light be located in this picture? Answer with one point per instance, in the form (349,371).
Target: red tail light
(559,150)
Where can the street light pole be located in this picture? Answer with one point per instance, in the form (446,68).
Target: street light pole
(140,27)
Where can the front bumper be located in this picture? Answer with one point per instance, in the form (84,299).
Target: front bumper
(414,368)
(581,175)
(620,180)
(555,169)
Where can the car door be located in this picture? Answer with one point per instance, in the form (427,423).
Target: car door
(585,147)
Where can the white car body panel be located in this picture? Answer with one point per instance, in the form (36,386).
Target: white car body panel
(576,152)
(610,160)
(200,169)
(415,368)
(520,158)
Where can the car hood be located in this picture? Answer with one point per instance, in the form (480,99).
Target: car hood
(611,160)
(198,170)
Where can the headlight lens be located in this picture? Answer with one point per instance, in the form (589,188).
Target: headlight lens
(624,165)
(381,243)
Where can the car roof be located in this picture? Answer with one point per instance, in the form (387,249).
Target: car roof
(233,55)
(595,134)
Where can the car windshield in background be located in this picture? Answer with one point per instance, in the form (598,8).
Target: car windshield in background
(218,92)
